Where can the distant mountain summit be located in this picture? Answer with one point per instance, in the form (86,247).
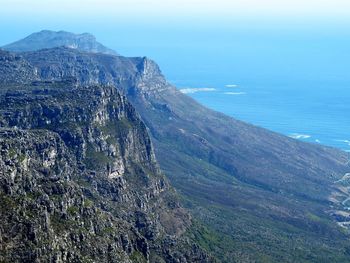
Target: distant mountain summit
(49,39)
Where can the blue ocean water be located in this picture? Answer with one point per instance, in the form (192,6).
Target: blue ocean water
(311,112)
(296,83)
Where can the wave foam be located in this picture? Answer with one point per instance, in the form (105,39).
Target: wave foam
(231,86)
(344,141)
(299,136)
(194,90)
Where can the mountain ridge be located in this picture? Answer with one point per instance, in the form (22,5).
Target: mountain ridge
(252,189)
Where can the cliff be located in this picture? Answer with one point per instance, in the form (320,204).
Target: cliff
(15,69)
(79,181)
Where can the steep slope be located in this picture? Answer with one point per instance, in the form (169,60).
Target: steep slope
(79,181)
(50,39)
(15,69)
(262,197)
(227,143)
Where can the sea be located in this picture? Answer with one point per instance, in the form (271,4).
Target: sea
(309,111)
(295,82)
(290,79)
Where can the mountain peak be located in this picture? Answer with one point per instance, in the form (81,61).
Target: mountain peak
(49,39)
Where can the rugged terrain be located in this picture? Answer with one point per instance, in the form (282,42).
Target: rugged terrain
(257,196)
(15,69)
(79,181)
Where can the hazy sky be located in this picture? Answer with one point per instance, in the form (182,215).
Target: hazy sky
(135,26)
(178,8)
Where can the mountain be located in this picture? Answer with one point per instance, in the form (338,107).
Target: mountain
(15,69)
(256,196)
(50,39)
(79,181)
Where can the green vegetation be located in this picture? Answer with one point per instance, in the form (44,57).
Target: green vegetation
(33,195)
(12,153)
(107,231)
(243,235)
(207,239)
(88,203)
(59,224)
(95,159)
(137,257)
(21,157)
(117,128)
(7,202)
(73,210)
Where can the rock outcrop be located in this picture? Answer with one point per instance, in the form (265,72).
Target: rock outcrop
(79,181)
(15,69)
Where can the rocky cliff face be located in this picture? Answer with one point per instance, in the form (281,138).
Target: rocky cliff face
(15,69)
(133,76)
(79,181)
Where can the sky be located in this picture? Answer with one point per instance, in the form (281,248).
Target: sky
(103,17)
(181,7)
(252,31)
(176,10)
(248,32)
